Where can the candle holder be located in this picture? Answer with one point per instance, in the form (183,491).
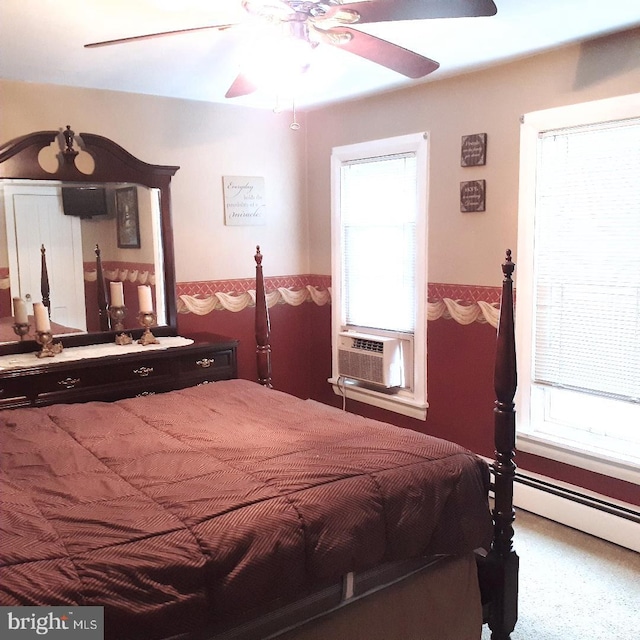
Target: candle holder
(117,315)
(21,329)
(124,338)
(147,319)
(49,347)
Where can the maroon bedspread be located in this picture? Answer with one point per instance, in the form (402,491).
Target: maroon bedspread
(202,505)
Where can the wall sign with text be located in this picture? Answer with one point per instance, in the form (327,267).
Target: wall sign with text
(473,150)
(473,195)
(244,200)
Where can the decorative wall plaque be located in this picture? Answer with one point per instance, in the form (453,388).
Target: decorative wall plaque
(474,150)
(244,200)
(473,195)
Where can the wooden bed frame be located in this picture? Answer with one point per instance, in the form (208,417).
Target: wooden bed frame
(498,570)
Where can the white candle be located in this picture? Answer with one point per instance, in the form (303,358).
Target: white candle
(117,295)
(42,317)
(20,311)
(144,299)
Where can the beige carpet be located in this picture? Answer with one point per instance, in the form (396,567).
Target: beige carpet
(573,586)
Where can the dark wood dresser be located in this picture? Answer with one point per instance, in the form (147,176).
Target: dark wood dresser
(133,372)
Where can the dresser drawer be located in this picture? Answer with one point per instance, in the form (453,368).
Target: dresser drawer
(150,369)
(13,393)
(112,373)
(206,362)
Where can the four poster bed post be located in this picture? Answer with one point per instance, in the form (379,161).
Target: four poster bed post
(498,571)
(44,280)
(103,311)
(263,326)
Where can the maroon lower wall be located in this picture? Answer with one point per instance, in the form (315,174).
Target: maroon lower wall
(290,344)
(460,380)
(6,305)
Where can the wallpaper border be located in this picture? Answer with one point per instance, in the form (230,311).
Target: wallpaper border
(463,303)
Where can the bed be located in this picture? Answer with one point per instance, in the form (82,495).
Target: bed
(233,510)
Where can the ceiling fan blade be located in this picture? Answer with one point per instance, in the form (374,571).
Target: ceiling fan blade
(241,86)
(388,10)
(387,54)
(149,36)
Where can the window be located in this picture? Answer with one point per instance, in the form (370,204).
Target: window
(379,204)
(578,293)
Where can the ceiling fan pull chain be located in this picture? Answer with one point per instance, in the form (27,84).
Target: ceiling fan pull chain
(294,126)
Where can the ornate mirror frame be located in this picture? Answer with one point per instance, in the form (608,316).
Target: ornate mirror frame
(19,160)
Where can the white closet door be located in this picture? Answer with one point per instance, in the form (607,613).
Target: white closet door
(34,218)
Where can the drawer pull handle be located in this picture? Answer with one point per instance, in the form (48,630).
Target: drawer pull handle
(143,372)
(205,363)
(69,383)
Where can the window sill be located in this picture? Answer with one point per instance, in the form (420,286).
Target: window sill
(400,402)
(574,454)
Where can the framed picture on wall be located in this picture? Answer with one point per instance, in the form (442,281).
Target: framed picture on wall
(128,223)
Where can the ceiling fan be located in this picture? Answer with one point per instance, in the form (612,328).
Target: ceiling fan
(332,22)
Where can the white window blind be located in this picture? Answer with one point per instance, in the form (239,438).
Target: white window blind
(587,260)
(379,211)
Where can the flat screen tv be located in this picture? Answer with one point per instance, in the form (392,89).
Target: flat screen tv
(84,202)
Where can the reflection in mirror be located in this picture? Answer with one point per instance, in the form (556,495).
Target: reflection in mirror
(71,221)
(91,208)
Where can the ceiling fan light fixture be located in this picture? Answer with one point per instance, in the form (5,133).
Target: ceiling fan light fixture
(278,61)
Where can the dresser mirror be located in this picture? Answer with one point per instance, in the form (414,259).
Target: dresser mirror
(74,208)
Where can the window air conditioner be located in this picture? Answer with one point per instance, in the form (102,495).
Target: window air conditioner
(373,359)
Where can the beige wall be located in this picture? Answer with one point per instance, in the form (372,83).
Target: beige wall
(466,248)
(207,141)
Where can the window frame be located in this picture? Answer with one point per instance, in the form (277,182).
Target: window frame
(536,441)
(411,401)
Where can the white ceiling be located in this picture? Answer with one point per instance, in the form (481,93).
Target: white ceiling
(42,41)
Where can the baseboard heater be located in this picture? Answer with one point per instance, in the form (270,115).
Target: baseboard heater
(588,501)
(595,515)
